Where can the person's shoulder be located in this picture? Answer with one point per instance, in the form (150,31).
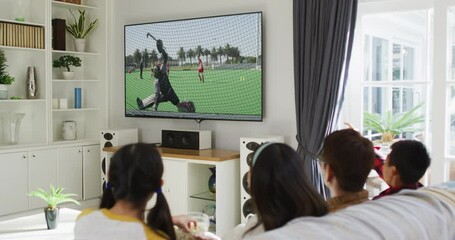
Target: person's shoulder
(153,235)
(85,213)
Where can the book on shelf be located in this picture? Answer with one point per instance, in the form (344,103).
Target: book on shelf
(21,35)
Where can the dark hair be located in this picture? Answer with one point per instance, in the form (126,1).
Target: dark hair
(411,160)
(350,156)
(134,173)
(280,189)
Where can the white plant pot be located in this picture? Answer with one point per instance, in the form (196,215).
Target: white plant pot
(3,91)
(68,75)
(79,44)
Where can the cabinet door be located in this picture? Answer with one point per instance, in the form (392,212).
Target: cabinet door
(175,185)
(91,171)
(69,170)
(42,170)
(13,183)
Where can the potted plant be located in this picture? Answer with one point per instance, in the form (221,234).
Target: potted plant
(66,62)
(5,78)
(79,31)
(53,198)
(392,125)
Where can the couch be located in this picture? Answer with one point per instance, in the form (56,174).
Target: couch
(427,213)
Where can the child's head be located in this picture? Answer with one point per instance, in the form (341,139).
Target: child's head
(279,187)
(348,157)
(406,163)
(135,172)
(134,175)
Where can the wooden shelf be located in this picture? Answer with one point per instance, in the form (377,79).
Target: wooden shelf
(23,23)
(72,5)
(74,80)
(75,109)
(215,155)
(204,196)
(75,53)
(22,48)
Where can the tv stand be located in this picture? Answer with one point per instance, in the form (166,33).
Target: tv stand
(186,175)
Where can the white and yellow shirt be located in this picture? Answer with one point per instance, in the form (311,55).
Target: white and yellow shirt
(102,224)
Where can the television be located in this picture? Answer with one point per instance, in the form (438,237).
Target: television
(199,68)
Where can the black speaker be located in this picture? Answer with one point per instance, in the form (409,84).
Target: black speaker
(186,139)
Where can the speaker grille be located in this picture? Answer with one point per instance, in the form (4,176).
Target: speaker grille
(180,139)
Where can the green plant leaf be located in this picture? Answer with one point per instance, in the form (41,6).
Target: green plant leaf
(394,123)
(54,197)
(77,28)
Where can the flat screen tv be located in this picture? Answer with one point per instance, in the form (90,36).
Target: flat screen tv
(200,68)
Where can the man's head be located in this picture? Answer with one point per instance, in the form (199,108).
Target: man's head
(347,160)
(406,163)
(159,45)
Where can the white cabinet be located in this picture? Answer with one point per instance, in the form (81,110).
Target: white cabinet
(74,168)
(69,170)
(186,179)
(42,170)
(91,77)
(174,185)
(91,171)
(13,182)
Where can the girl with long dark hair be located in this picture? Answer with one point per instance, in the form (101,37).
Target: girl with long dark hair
(134,176)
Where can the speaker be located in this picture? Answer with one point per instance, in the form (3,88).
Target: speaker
(248,147)
(114,138)
(186,139)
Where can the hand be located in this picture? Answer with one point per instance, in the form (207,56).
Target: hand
(184,222)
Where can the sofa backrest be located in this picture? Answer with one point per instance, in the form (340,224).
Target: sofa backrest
(427,213)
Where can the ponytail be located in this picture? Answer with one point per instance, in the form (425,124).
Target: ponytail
(160,217)
(107,201)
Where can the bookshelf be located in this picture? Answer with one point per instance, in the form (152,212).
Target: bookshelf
(29,43)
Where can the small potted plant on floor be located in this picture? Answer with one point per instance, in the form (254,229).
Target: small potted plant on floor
(5,78)
(66,62)
(53,198)
(79,31)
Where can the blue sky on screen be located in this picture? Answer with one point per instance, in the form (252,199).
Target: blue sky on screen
(242,31)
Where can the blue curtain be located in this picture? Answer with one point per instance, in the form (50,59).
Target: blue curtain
(323,36)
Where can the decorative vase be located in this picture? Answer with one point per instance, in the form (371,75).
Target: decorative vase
(11,126)
(31,83)
(51,217)
(79,44)
(3,91)
(68,75)
(212,180)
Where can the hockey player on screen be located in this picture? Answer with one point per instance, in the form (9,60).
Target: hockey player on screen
(165,92)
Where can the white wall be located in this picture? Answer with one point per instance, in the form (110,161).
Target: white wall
(279,107)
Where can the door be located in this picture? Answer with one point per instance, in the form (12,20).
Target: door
(69,170)
(42,170)
(13,182)
(91,171)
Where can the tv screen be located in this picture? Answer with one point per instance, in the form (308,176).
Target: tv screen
(201,68)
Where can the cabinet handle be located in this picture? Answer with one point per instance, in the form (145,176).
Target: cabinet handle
(79,151)
(33,155)
(24,157)
(88,150)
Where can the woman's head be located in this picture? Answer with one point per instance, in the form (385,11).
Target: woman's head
(279,187)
